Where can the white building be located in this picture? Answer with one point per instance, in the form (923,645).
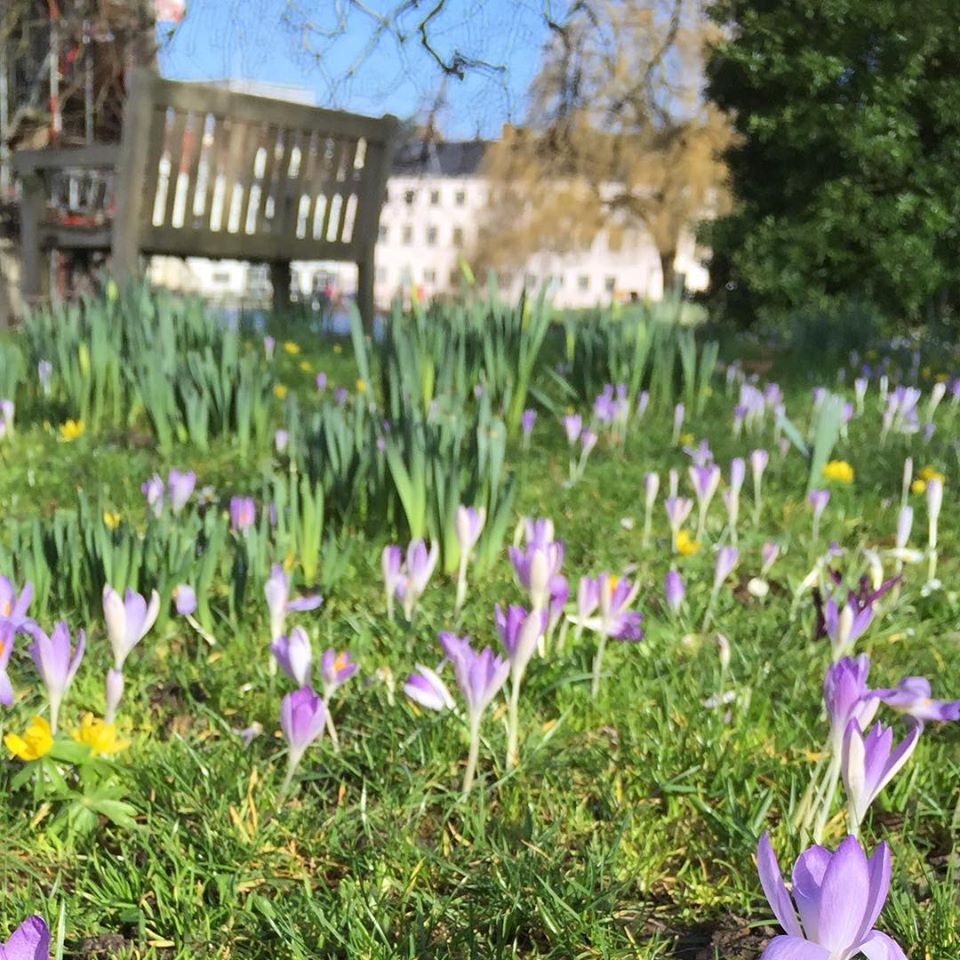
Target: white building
(435,204)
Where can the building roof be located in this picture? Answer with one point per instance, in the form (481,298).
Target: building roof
(444,158)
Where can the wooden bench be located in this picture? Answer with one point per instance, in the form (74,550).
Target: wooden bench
(203,171)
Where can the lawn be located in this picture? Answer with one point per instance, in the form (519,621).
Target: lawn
(630,825)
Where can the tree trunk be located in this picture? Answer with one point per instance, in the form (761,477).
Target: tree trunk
(667,269)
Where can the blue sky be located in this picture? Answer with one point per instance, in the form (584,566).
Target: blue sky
(347,66)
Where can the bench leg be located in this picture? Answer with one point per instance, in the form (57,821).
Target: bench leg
(280,281)
(365,278)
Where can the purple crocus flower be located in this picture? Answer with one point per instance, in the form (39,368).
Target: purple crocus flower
(391,561)
(572,424)
(870,762)
(678,509)
(673,590)
(519,633)
(845,627)
(768,556)
(425,687)
(527,420)
(57,668)
(588,440)
(838,896)
(847,696)
(269,344)
(700,456)
(818,500)
(758,463)
(588,598)
(44,371)
(336,669)
(13,608)
(129,619)
(480,676)
(30,941)
(152,489)
(321,382)
(7,634)
(613,619)
(705,481)
(277,592)
(912,696)
(536,568)
(538,531)
(180,488)
(184,599)
(415,574)
(281,438)
(243,513)
(295,655)
(679,412)
(469,526)
(340,396)
(303,716)
(726,560)
(651,487)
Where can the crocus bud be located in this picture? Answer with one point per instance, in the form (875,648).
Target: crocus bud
(673,590)
(280,440)
(738,470)
(758,463)
(294,655)
(651,486)
(818,499)
(934,500)
(904,526)
(185,599)
(539,579)
(768,555)
(726,560)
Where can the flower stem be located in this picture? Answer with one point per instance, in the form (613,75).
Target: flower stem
(826,801)
(293,761)
(461,586)
(473,755)
(513,723)
(332,730)
(597,661)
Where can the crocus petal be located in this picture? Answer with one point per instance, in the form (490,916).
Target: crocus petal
(880,947)
(808,874)
(6,690)
(794,948)
(879,866)
(300,604)
(30,941)
(844,897)
(775,889)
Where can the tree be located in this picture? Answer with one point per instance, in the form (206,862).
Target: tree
(845,171)
(617,136)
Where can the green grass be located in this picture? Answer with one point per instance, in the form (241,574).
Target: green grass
(628,829)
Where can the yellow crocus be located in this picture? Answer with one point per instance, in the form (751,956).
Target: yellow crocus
(928,473)
(686,439)
(98,735)
(361,386)
(918,486)
(291,347)
(111,520)
(280,391)
(71,430)
(686,545)
(838,470)
(306,366)
(36,742)
(337,348)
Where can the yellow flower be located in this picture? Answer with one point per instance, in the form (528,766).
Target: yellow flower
(291,347)
(838,470)
(280,391)
(98,735)
(289,560)
(306,366)
(918,486)
(943,377)
(71,430)
(36,741)
(361,386)
(686,439)
(111,520)
(928,473)
(686,545)
(337,348)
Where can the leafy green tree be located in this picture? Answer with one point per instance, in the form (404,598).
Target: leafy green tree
(846,172)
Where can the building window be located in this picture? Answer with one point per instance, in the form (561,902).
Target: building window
(384,232)
(460,198)
(429,275)
(407,235)
(610,284)
(409,196)
(583,282)
(458,236)
(431,236)
(382,274)
(434,198)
